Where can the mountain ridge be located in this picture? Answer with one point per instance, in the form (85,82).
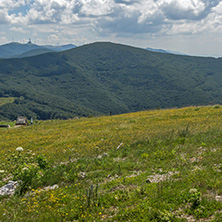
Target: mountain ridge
(164,51)
(19,50)
(100,77)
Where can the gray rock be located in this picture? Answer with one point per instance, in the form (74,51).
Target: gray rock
(9,188)
(54,187)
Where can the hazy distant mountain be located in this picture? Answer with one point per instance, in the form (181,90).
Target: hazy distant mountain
(102,77)
(18,50)
(34,52)
(164,51)
(60,48)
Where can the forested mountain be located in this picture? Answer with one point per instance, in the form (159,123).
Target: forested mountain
(97,78)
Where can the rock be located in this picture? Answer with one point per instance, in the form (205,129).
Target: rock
(218,198)
(19,149)
(9,189)
(102,156)
(45,189)
(54,187)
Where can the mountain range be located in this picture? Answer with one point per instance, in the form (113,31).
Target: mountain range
(164,51)
(104,77)
(18,50)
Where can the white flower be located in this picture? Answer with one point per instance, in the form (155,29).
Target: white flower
(19,149)
(2,171)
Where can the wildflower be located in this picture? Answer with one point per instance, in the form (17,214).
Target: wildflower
(2,171)
(19,149)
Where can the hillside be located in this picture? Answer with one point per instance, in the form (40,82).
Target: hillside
(159,165)
(98,78)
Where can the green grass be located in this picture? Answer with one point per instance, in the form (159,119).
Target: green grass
(167,167)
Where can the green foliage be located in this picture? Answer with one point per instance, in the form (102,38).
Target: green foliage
(193,198)
(42,162)
(26,174)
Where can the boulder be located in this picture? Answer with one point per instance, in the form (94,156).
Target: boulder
(9,188)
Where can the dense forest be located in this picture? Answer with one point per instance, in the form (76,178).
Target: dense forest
(97,78)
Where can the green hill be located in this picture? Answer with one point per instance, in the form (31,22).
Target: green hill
(157,165)
(98,78)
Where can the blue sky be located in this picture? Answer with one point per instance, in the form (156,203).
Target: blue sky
(189,26)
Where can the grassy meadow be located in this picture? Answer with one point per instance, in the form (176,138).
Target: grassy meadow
(158,165)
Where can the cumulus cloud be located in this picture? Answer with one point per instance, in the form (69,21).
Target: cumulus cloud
(96,7)
(121,17)
(18,29)
(186,9)
(4,16)
(10,4)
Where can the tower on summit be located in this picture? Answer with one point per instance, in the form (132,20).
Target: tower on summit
(29,42)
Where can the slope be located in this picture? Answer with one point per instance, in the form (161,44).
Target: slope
(157,165)
(103,77)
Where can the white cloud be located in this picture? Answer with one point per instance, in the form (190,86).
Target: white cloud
(18,30)
(96,7)
(10,4)
(4,18)
(115,19)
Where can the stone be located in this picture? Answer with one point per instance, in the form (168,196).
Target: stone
(218,198)
(9,188)
(54,187)
(19,149)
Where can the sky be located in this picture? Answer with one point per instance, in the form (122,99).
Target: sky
(191,27)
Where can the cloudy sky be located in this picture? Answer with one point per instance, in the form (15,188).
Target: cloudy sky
(189,26)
